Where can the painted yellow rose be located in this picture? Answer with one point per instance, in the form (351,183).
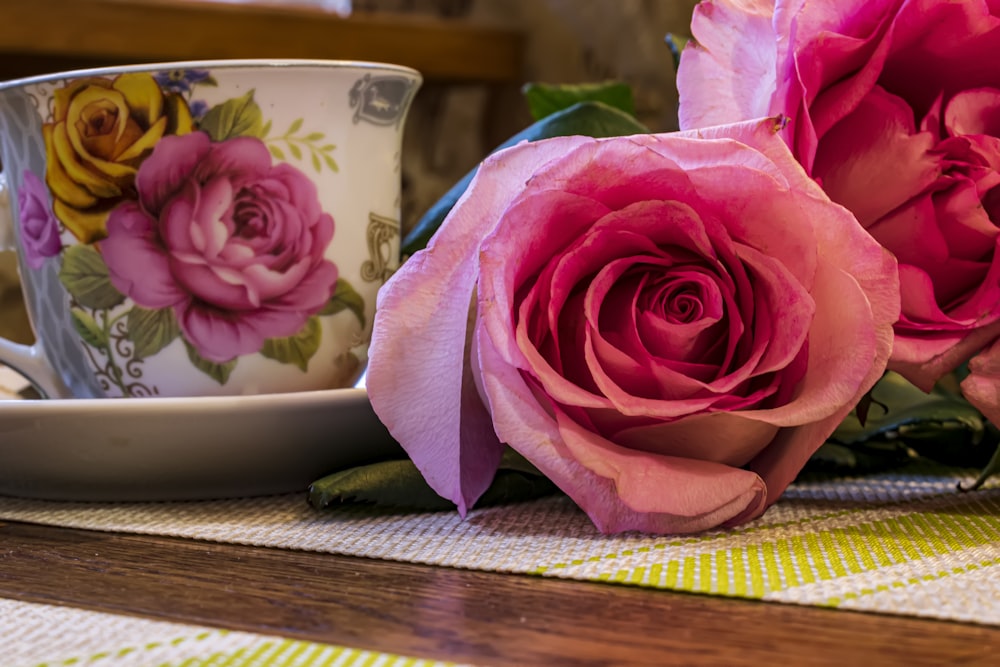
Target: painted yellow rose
(101,131)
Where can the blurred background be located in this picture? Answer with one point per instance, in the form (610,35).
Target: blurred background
(475,56)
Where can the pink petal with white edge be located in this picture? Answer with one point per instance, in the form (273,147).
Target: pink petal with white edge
(418,379)
(688,496)
(729,71)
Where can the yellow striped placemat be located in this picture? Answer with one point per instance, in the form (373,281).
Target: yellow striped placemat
(40,635)
(901,542)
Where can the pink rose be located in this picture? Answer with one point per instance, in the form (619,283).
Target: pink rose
(233,244)
(894,108)
(667,326)
(39,227)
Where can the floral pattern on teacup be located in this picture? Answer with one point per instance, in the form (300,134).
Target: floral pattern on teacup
(188,224)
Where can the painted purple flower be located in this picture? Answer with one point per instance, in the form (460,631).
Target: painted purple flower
(198,108)
(39,227)
(180,80)
(233,244)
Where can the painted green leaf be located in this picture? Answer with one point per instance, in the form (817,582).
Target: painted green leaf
(317,165)
(313,137)
(295,151)
(297,349)
(237,117)
(151,330)
(294,127)
(276,152)
(85,325)
(546,99)
(264,131)
(85,276)
(345,297)
(330,163)
(218,372)
(208,81)
(398,483)
(591,119)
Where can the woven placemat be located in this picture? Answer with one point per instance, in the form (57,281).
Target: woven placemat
(903,542)
(40,635)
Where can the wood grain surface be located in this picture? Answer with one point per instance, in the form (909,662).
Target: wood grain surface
(48,35)
(450,614)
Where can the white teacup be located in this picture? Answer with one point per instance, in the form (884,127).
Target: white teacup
(201,228)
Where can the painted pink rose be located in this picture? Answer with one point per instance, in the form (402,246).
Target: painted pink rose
(894,108)
(39,227)
(234,244)
(667,326)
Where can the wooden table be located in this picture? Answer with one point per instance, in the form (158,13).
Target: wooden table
(449,614)
(41,36)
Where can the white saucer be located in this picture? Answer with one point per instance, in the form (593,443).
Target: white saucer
(185,448)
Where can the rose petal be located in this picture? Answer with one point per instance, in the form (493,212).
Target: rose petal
(137,264)
(420,386)
(874,160)
(670,493)
(729,71)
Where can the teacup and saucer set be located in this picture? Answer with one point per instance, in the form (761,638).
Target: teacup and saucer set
(200,245)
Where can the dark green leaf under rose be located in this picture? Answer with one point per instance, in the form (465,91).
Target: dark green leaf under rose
(398,484)
(905,423)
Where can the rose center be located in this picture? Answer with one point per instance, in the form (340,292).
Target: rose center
(678,301)
(250,223)
(98,119)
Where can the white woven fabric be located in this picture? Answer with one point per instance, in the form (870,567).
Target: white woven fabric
(37,635)
(885,543)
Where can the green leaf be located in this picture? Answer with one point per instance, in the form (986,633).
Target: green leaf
(991,468)
(545,99)
(399,484)
(330,163)
(294,127)
(208,81)
(317,165)
(264,131)
(276,152)
(392,483)
(151,330)
(345,297)
(87,327)
(676,44)
(237,117)
(313,137)
(85,276)
(218,372)
(904,422)
(297,349)
(295,151)
(593,119)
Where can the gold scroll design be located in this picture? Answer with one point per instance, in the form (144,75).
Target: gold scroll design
(381,232)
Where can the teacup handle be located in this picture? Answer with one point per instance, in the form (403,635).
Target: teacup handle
(28,360)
